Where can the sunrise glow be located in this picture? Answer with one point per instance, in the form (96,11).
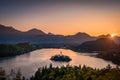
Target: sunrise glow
(62,18)
(113,35)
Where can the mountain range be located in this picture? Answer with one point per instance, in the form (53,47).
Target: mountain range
(101,44)
(9,35)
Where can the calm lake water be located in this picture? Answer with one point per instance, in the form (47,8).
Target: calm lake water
(30,62)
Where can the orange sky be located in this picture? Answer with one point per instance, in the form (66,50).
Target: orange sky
(68,19)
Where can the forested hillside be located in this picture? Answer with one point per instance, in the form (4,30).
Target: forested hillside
(67,73)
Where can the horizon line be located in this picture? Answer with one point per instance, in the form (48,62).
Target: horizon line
(59,33)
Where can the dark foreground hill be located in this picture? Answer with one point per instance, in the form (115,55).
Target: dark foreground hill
(106,48)
(102,44)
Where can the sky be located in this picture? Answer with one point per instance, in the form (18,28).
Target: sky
(65,17)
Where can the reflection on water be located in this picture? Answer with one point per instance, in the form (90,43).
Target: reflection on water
(30,62)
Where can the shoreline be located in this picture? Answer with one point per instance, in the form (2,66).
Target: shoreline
(97,55)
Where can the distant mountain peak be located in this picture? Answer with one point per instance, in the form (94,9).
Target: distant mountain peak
(10,31)
(50,33)
(2,25)
(7,29)
(82,34)
(35,31)
(104,36)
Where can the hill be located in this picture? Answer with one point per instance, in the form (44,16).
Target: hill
(101,44)
(34,32)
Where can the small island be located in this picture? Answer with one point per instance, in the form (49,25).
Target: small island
(60,58)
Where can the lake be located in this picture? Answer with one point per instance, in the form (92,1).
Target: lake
(29,63)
